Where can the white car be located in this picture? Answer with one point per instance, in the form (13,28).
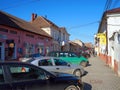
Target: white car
(57,65)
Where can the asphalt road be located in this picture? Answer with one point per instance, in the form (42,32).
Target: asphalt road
(99,76)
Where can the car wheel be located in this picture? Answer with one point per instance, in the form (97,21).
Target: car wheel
(72,87)
(83,63)
(77,73)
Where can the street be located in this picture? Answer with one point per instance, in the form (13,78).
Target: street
(99,76)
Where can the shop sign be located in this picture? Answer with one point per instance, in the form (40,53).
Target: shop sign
(63,43)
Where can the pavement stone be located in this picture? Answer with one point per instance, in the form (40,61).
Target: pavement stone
(99,76)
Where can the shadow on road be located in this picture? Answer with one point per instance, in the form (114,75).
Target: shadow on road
(85,74)
(87,86)
(89,65)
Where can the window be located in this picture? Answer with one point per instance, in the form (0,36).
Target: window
(59,62)
(118,38)
(45,62)
(25,73)
(1,76)
(72,55)
(29,35)
(62,55)
(3,30)
(13,32)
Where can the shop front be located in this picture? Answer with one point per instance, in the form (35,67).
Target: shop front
(10,50)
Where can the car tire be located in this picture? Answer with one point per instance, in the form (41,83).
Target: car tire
(72,87)
(77,73)
(83,63)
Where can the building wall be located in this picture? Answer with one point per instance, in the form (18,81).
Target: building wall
(113,22)
(79,42)
(116,46)
(101,43)
(113,47)
(17,43)
(64,39)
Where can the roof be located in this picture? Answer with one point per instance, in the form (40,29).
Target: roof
(43,22)
(12,21)
(63,29)
(103,19)
(73,43)
(89,45)
(116,10)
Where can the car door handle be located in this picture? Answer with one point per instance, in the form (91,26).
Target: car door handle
(57,68)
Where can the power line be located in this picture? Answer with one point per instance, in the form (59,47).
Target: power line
(115,3)
(84,25)
(107,5)
(20,4)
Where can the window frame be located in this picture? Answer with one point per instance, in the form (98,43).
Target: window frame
(24,80)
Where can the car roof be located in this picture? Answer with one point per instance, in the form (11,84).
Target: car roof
(12,62)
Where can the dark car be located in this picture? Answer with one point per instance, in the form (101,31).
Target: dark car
(24,76)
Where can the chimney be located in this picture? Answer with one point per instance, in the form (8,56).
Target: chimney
(33,16)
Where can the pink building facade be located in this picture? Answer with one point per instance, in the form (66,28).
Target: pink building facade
(17,42)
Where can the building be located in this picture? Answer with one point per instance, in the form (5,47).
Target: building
(20,38)
(110,26)
(59,34)
(100,44)
(64,39)
(74,47)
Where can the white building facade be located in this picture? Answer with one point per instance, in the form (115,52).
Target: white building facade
(111,25)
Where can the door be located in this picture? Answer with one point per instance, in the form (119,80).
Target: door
(4,81)
(62,66)
(46,63)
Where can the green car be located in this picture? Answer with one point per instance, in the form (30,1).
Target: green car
(70,57)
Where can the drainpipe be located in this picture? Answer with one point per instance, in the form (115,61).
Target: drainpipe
(106,41)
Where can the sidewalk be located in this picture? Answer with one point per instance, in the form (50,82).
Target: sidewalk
(99,76)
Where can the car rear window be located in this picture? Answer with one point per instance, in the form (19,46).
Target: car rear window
(30,60)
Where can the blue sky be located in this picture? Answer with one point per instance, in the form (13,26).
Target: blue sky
(80,17)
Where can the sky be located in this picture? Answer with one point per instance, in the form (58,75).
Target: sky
(81,18)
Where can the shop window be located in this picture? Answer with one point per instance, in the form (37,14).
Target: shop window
(29,48)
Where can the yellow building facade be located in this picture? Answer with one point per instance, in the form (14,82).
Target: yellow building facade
(101,37)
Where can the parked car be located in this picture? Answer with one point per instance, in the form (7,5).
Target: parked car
(27,57)
(57,65)
(70,57)
(24,76)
